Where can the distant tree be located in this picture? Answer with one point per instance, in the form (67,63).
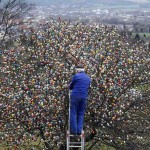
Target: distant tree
(11,13)
(144,35)
(137,37)
(135,26)
(141,30)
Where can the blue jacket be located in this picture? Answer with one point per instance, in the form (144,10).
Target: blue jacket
(80,84)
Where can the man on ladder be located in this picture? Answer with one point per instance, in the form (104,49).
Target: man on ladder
(79,86)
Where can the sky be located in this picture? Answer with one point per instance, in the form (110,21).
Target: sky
(140,1)
(137,1)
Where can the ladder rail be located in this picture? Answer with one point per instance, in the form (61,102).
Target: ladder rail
(69,111)
(68,140)
(82,140)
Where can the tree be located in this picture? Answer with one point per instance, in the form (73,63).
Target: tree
(11,13)
(34,86)
(137,37)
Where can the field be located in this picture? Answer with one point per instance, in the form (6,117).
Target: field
(142,34)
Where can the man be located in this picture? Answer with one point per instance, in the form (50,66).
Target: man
(79,85)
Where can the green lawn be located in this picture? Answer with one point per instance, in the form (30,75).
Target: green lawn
(142,34)
(147,34)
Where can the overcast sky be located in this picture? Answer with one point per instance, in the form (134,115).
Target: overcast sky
(47,2)
(140,1)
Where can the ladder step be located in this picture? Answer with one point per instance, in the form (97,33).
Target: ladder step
(75,142)
(75,146)
(74,135)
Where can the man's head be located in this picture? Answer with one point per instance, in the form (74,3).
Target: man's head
(79,68)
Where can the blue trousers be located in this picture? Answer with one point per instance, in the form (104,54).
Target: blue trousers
(77,110)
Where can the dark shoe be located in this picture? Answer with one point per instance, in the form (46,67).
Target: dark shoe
(74,138)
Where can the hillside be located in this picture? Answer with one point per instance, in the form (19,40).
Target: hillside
(106,3)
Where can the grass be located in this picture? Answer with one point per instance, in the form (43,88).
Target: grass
(147,34)
(142,34)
